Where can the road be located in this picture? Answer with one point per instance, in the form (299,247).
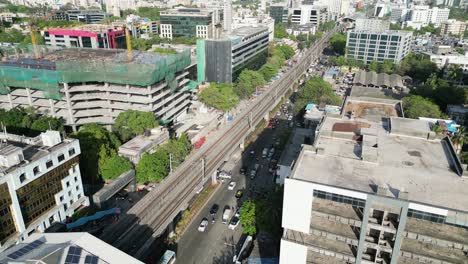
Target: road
(217,243)
(137,230)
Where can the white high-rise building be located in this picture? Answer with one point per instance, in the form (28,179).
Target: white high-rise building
(309,14)
(227,16)
(335,7)
(421,15)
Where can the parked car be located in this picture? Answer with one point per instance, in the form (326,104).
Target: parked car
(239,193)
(226,214)
(234,222)
(253,173)
(232,185)
(203,225)
(214,210)
(243,170)
(264,153)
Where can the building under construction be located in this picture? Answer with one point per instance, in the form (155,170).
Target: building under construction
(95,85)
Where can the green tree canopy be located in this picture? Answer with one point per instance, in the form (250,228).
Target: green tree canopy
(153,167)
(247,217)
(44,123)
(374,66)
(316,91)
(417,66)
(458,14)
(338,43)
(280,31)
(114,167)
(220,96)
(130,123)
(97,145)
(11,36)
(287,51)
(417,106)
(268,71)
(247,81)
(149,12)
(26,121)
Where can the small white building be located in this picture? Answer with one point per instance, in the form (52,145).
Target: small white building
(444,60)
(40,183)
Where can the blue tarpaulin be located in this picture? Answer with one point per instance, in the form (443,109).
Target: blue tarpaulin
(95,216)
(309,106)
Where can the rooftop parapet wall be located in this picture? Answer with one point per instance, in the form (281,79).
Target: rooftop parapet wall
(87,65)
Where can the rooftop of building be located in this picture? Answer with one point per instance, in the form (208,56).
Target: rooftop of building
(247,31)
(32,148)
(385,32)
(143,143)
(192,11)
(64,248)
(86,27)
(377,147)
(378,79)
(294,145)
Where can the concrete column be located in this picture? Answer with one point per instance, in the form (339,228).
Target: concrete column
(213,178)
(241,144)
(10,100)
(69,106)
(28,93)
(52,106)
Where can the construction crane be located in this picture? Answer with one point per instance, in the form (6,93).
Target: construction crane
(129,44)
(32,29)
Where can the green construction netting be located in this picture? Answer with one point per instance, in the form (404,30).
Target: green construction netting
(145,69)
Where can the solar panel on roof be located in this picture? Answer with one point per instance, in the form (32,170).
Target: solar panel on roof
(91,259)
(26,249)
(73,256)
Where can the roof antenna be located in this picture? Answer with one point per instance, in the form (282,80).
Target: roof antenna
(50,127)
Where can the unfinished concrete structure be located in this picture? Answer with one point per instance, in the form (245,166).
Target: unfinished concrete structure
(95,85)
(376,188)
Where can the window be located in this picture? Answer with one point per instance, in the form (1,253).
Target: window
(340,198)
(61,198)
(36,170)
(49,164)
(65,206)
(61,157)
(77,188)
(71,152)
(22,177)
(68,184)
(79,195)
(76,179)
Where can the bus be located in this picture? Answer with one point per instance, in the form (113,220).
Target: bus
(169,257)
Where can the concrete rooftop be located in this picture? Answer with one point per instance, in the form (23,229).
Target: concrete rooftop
(360,155)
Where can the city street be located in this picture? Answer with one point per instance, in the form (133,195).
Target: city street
(218,244)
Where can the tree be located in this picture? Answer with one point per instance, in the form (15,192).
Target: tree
(417,66)
(130,123)
(460,51)
(269,212)
(338,43)
(327,26)
(44,123)
(388,67)
(247,81)
(178,149)
(287,51)
(317,91)
(268,71)
(248,218)
(458,14)
(153,167)
(459,139)
(11,36)
(97,145)
(374,66)
(220,96)
(416,106)
(152,13)
(455,73)
(114,167)
(280,31)
(440,91)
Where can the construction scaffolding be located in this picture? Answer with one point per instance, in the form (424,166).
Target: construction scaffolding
(19,68)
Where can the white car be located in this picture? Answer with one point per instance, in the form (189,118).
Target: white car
(234,222)
(232,185)
(203,225)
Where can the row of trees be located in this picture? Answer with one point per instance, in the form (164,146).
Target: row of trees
(226,96)
(99,146)
(262,214)
(26,121)
(153,167)
(316,91)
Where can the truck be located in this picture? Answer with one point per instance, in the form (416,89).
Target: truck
(226,214)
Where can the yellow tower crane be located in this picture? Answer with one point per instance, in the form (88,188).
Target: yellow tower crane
(129,44)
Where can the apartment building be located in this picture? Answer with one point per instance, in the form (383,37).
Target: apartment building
(306,14)
(445,60)
(190,23)
(86,36)
(421,15)
(368,46)
(40,183)
(65,248)
(453,27)
(279,13)
(225,58)
(372,24)
(335,7)
(261,20)
(375,188)
(95,85)
(87,16)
